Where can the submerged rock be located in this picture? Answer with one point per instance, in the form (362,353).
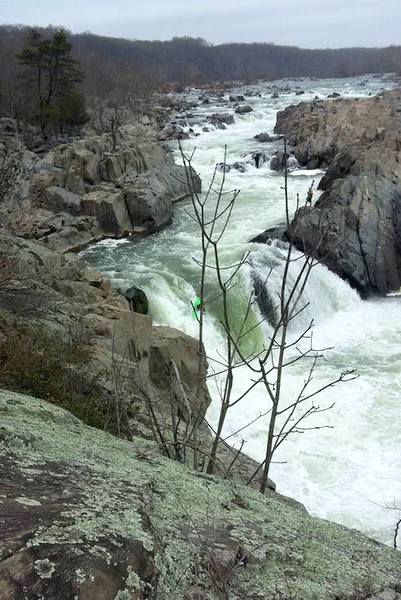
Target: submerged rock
(265,303)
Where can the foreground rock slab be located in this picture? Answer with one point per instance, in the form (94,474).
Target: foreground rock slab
(86,515)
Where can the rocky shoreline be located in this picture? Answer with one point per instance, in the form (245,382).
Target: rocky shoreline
(81,192)
(356,221)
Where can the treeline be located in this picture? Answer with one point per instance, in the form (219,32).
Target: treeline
(188,60)
(138,66)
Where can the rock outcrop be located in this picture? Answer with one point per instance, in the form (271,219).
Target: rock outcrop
(356,222)
(80,192)
(85,515)
(57,292)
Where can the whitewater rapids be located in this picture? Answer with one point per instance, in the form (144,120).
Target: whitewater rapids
(346,473)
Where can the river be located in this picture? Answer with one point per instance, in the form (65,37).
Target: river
(350,471)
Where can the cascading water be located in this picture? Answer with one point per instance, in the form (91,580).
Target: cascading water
(347,472)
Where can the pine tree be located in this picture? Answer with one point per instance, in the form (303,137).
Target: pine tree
(52,75)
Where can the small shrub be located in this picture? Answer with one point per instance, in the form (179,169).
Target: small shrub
(54,367)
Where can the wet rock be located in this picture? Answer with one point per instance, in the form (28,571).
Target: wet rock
(137,300)
(243,110)
(274,233)
(299,92)
(237,98)
(334,95)
(292,163)
(239,166)
(267,306)
(258,159)
(267,137)
(223,167)
(219,120)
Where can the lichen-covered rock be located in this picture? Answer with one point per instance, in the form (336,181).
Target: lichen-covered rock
(86,515)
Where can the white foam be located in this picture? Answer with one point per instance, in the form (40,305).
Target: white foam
(344,473)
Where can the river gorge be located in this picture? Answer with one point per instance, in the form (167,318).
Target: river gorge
(349,471)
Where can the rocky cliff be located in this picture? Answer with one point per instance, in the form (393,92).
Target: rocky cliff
(357,219)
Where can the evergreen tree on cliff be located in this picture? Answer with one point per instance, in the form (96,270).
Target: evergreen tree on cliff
(50,77)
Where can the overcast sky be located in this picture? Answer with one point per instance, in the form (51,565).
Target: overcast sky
(306,23)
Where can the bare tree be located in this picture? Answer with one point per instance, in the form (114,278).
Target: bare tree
(286,416)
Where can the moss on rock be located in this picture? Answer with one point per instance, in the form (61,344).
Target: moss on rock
(136,525)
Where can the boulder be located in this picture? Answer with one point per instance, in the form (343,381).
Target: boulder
(237,98)
(223,167)
(244,109)
(59,199)
(274,233)
(292,163)
(169,344)
(266,137)
(137,300)
(219,119)
(277,161)
(110,210)
(259,159)
(75,176)
(149,202)
(239,166)
(116,164)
